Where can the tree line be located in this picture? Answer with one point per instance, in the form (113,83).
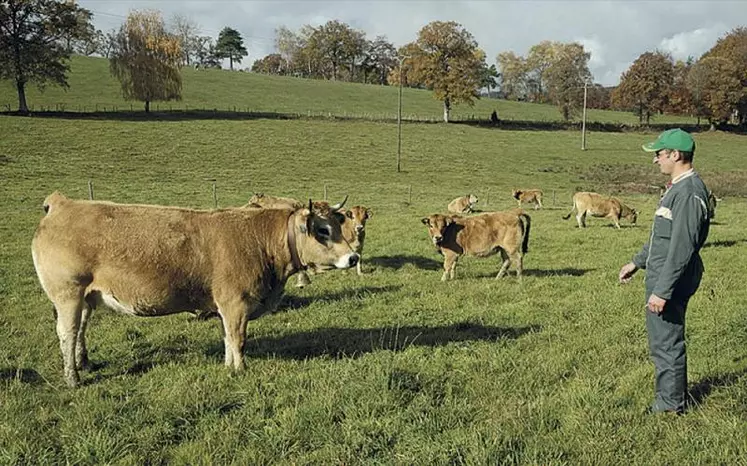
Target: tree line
(146,54)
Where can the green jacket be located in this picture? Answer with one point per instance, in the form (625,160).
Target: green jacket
(671,256)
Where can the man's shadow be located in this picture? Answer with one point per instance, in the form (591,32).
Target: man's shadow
(701,390)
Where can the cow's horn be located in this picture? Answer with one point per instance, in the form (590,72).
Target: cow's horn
(311,205)
(337,207)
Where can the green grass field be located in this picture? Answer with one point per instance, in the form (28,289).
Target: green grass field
(92,88)
(395,367)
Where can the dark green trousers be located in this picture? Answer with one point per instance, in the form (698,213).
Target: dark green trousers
(666,341)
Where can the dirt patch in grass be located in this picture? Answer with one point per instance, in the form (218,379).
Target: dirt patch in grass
(637,179)
(623,179)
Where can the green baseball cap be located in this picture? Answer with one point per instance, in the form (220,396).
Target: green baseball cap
(673,139)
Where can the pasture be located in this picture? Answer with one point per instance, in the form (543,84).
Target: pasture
(394,367)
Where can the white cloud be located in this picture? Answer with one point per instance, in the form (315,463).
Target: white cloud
(692,43)
(615,32)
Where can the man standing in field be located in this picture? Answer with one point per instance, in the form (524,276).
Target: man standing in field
(673,265)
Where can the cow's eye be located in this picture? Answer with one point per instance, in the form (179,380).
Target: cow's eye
(324,231)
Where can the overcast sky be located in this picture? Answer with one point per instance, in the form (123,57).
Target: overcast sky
(615,32)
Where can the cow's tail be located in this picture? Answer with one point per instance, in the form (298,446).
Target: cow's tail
(53,200)
(526,223)
(566,217)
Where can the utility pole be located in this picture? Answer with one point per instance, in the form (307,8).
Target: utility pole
(583,118)
(399,114)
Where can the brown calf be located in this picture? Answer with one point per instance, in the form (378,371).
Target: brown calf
(528,196)
(597,206)
(462,205)
(481,236)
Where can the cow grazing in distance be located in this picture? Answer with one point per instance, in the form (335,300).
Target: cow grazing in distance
(587,203)
(528,196)
(462,205)
(149,260)
(354,229)
(265,201)
(482,235)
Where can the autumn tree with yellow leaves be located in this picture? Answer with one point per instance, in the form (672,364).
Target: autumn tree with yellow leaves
(146,59)
(445,58)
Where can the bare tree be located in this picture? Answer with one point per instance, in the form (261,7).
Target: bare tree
(187,31)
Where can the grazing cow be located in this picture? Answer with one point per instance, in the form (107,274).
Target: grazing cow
(528,196)
(265,201)
(481,236)
(354,229)
(597,206)
(149,260)
(462,205)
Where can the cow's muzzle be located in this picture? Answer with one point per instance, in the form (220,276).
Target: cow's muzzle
(348,260)
(437,239)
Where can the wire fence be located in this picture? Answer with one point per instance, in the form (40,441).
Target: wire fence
(171,111)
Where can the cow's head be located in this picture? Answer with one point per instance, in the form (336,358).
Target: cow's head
(632,215)
(256,198)
(355,219)
(472,199)
(319,238)
(437,225)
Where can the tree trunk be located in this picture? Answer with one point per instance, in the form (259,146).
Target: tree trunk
(147,106)
(447,109)
(230,61)
(22,107)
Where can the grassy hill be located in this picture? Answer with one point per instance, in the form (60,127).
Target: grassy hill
(92,88)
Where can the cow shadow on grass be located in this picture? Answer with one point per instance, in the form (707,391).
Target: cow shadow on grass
(339,343)
(145,357)
(292,302)
(398,261)
(564,272)
(702,389)
(23,375)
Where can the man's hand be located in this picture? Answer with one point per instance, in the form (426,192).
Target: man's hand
(656,304)
(627,271)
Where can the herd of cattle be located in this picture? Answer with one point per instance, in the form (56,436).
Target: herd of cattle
(148,260)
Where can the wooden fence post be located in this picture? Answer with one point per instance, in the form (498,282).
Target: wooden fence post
(90,189)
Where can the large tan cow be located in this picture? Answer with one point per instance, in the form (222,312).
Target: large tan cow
(481,236)
(354,229)
(528,196)
(148,260)
(462,205)
(598,206)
